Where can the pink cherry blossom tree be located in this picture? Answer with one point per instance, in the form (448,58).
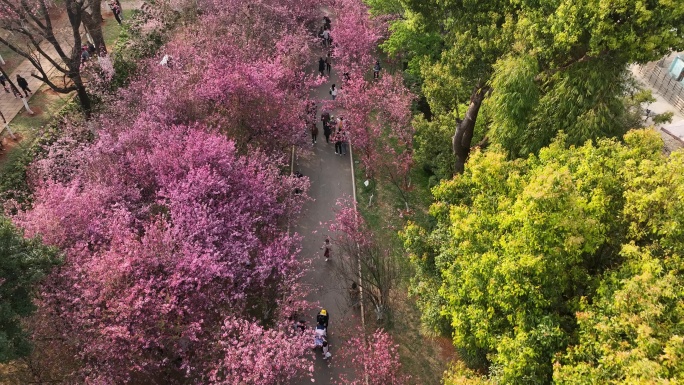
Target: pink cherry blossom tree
(235,71)
(167,234)
(367,254)
(356,36)
(375,355)
(378,115)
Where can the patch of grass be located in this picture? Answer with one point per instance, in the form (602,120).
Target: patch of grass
(111,29)
(13,170)
(45,103)
(424,358)
(11,58)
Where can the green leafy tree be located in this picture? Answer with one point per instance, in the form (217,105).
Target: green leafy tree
(520,246)
(23,263)
(633,331)
(545,66)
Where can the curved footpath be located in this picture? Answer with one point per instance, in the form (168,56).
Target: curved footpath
(331,179)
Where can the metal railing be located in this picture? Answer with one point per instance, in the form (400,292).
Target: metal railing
(666,86)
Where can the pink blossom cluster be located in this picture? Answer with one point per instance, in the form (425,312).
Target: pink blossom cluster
(350,224)
(99,71)
(378,357)
(241,70)
(356,36)
(167,231)
(378,115)
(276,356)
(13,12)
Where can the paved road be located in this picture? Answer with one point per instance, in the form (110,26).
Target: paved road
(330,177)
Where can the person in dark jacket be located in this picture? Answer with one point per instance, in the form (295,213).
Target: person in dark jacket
(328,63)
(321,66)
(3,81)
(376,69)
(323,318)
(23,84)
(314,133)
(326,132)
(325,118)
(115,6)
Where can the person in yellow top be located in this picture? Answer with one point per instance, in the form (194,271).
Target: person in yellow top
(322,318)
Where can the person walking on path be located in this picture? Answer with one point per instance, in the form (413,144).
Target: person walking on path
(85,54)
(326,37)
(314,133)
(344,137)
(325,118)
(321,66)
(376,69)
(333,91)
(115,6)
(326,351)
(23,84)
(326,22)
(328,63)
(326,132)
(3,81)
(326,249)
(337,137)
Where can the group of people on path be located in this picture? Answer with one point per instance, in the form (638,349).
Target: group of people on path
(324,32)
(87,51)
(21,82)
(320,332)
(325,65)
(334,131)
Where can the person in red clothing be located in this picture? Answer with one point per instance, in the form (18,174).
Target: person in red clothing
(326,249)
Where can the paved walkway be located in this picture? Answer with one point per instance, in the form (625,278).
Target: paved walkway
(331,179)
(673,138)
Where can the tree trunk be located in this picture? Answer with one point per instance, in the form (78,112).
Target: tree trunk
(92,20)
(461,141)
(75,13)
(94,28)
(83,97)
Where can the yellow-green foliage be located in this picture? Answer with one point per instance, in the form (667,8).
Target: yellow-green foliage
(527,258)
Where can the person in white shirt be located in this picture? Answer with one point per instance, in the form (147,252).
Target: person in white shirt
(333,92)
(326,37)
